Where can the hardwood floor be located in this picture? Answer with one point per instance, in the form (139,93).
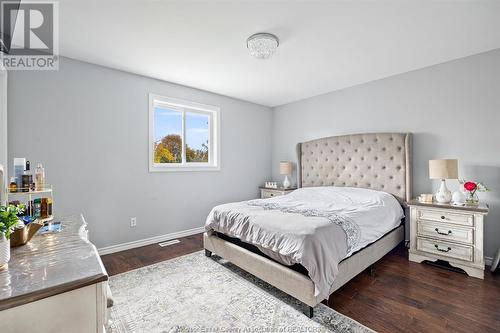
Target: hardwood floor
(401,296)
(124,261)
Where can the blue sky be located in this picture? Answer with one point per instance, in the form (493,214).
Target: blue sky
(170,122)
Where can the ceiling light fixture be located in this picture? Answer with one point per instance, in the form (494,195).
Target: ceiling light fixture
(262,45)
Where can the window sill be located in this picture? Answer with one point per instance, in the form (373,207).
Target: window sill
(154,169)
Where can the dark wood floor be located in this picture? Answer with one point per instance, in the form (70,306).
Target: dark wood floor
(401,296)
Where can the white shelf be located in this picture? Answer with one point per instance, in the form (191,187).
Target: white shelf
(34,195)
(31,192)
(48,189)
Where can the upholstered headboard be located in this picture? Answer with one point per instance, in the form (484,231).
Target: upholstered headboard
(379,161)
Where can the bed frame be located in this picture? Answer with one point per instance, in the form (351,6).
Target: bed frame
(380,161)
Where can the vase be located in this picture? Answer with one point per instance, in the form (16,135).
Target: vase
(4,250)
(472,199)
(21,236)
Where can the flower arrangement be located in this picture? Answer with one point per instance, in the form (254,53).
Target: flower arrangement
(472,188)
(9,219)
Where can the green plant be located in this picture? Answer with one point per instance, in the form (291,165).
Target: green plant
(9,218)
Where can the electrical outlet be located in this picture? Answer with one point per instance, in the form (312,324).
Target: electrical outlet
(133,222)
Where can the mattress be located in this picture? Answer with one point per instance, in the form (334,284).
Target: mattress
(313,227)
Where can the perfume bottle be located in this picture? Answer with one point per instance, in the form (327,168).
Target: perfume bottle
(37,207)
(19,167)
(39,177)
(13,185)
(44,208)
(27,179)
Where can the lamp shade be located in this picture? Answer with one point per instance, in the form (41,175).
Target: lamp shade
(285,168)
(443,169)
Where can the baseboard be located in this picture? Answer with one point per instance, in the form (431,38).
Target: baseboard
(488,261)
(149,241)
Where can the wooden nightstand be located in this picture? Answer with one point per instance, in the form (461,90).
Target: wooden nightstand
(266,192)
(450,233)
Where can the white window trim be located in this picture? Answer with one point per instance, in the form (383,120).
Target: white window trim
(214,142)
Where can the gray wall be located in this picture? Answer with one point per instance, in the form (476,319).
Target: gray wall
(453,109)
(88,125)
(3,128)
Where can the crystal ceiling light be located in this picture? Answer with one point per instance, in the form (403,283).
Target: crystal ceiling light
(262,45)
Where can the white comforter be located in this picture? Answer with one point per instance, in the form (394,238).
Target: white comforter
(316,227)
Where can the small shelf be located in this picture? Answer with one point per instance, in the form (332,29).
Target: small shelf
(48,189)
(28,199)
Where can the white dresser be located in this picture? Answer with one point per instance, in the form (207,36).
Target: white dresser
(54,284)
(449,233)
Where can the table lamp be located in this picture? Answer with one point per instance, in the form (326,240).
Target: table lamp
(286,169)
(443,169)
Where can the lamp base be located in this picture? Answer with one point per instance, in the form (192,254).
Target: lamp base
(443,195)
(286,182)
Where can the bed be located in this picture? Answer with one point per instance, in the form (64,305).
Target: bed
(311,242)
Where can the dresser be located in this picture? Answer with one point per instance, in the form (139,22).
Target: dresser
(55,283)
(449,233)
(266,192)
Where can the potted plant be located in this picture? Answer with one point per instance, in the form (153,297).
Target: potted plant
(8,220)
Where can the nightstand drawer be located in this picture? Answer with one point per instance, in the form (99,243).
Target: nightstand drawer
(445,216)
(445,231)
(270,194)
(462,252)
(266,193)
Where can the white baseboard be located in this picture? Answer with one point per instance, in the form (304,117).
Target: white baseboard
(488,261)
(149,241)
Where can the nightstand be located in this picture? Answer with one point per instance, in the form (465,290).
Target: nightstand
(449,233)
(266,192)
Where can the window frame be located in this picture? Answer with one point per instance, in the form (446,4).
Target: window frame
(184,107)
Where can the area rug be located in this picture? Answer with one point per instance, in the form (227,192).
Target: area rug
(194,293)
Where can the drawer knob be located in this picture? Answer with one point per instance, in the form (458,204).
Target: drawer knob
(443,217)
(442,250)
(443,233)
(272,194)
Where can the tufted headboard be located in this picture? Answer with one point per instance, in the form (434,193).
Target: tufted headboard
(379,161)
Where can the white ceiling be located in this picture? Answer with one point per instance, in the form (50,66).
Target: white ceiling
(324,45)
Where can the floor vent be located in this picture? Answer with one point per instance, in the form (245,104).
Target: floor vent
(171,242)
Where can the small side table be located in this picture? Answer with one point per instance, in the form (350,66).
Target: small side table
(266,192)
(449,233)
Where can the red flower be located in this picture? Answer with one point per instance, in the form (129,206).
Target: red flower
(470,186)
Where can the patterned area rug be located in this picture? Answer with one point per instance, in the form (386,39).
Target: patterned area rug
(194,293)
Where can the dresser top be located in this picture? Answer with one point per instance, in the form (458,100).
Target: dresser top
(482,208)
(51,264)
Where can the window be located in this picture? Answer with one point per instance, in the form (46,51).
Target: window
(183,135)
